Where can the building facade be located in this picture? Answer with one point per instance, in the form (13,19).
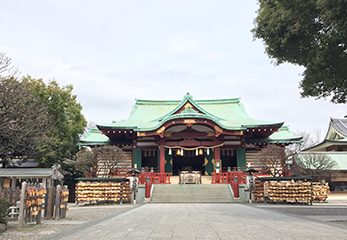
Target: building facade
(334,145)
(188,134)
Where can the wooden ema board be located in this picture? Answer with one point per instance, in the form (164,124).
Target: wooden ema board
(98,191)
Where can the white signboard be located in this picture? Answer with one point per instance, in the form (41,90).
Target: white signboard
(134,184)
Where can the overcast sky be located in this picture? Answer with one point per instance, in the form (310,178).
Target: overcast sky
(114,52)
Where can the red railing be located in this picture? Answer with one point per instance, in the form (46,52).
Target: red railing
(150,178)
(228,177)
(234,178)
(154,178)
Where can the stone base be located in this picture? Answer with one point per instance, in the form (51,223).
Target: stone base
(3,227)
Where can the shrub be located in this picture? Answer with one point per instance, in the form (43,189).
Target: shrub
(4,205)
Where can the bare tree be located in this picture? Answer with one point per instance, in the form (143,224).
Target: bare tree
(308,140)
(6,68)
(102,160)
(273,159)
(318,166)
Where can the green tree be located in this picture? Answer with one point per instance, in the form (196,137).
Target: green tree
(24,123)
(310,33)
(65,113)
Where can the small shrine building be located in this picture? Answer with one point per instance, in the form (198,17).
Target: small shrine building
(334,146)
(200,135)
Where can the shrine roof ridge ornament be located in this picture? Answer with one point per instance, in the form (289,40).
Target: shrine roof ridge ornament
(188,99)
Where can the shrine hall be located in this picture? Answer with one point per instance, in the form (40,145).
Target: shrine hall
(189,134)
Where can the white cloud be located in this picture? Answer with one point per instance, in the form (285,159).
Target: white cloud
(115,51)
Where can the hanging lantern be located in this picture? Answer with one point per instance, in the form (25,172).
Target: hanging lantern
(182,152)
(178,152)
(170,152)
(201,152)
(197,152)
(208,151)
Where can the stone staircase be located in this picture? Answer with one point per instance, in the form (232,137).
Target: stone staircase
(191,193)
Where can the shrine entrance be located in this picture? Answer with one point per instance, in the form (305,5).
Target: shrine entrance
(188,163)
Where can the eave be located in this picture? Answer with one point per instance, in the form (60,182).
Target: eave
(325,144)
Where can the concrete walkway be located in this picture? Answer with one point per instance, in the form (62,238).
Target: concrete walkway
(202,221)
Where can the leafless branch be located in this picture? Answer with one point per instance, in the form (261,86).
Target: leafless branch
(6,68)
(272,159)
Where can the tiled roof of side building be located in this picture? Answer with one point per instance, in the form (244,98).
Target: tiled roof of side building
(283,135)
(340,125)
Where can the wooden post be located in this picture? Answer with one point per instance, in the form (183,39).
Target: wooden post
(46,203)
(13,182)
(121,193)
(17,195)
(63,210)
(22,205)
(39,215)
(57,203)
(49,208)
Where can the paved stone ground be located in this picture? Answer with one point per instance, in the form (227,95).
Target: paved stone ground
(76,215)
(207,221)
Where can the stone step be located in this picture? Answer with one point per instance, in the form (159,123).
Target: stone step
(185,193)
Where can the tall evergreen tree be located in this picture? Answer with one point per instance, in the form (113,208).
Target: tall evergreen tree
(312,34)
(65,113)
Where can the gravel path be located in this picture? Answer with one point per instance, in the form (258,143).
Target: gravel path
(75,215)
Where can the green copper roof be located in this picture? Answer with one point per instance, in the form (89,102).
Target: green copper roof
(148,115)
(283,135)
(95,137)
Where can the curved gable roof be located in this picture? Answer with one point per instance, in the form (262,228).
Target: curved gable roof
(339,126)
(147,115)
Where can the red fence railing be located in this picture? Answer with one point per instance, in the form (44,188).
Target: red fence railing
(154,178)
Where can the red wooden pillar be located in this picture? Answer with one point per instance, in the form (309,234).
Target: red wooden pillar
(216,153)
(236,188)
(162,159)
(148,185)
(216,157)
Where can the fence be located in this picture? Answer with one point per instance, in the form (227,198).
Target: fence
(32,199)
(56,202)
(11,194)
(31,203)
(154,178)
